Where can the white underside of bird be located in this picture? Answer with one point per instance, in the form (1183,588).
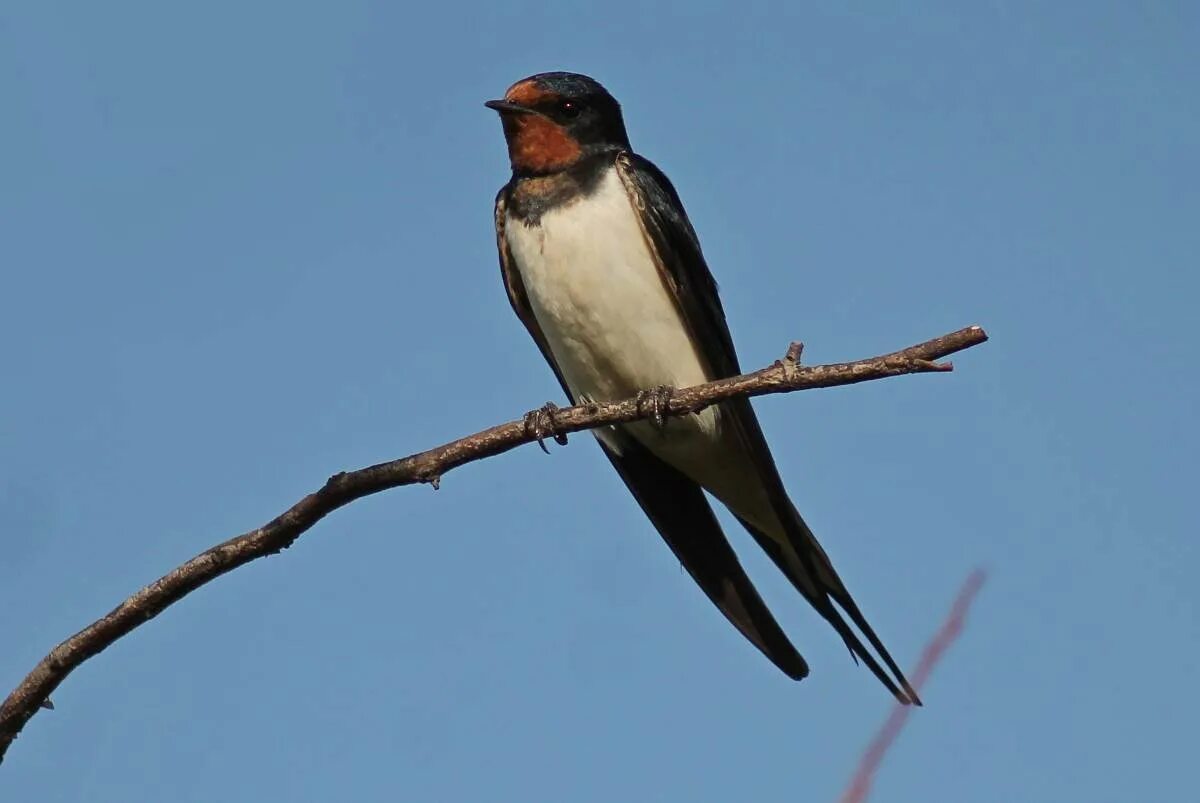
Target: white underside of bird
(614,330)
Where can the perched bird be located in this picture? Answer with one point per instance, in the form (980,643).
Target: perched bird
(603,267)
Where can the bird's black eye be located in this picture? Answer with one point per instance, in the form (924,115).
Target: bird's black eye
(569,108)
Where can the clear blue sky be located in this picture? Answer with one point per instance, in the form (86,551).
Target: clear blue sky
(247,245)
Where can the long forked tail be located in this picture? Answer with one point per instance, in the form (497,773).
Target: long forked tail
(809,569)
(681,514)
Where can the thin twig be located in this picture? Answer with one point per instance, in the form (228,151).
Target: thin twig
(860,783)
(429,467)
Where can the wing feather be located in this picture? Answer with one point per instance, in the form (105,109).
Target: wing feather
(676,249)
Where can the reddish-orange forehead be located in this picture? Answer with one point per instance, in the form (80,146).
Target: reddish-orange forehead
(527,93)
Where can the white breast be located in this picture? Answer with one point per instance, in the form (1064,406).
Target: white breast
(597,294)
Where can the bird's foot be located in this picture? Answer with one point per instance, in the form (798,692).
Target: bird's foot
(542,422)
(658,399)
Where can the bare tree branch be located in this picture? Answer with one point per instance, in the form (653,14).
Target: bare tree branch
(341,489)
(951,629)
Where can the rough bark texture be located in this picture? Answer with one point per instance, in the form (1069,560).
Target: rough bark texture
(341,489)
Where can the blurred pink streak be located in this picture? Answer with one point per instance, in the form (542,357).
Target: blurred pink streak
(860,785)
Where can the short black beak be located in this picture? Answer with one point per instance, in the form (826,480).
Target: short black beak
(505,107)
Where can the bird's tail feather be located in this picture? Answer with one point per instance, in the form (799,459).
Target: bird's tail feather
(806,565)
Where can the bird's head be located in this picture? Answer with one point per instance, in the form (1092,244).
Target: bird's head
(554,119)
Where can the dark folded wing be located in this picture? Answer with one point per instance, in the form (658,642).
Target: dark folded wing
(685,273)
(681,514)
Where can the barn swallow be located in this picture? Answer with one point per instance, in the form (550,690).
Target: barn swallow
(602,265)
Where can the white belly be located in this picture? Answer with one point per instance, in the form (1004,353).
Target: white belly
(608,319)
(614,330)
